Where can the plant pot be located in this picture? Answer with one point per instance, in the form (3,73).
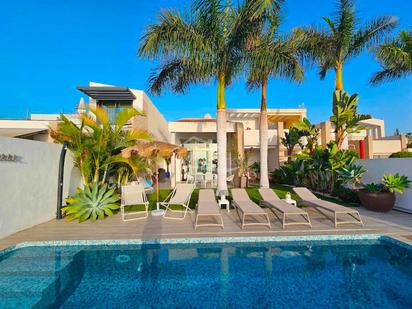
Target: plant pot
(377,201)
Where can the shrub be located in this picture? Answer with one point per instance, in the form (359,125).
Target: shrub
(401,154)
(346,194)
(93,202)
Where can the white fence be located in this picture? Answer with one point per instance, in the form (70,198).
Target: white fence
(28,186)
(378,167)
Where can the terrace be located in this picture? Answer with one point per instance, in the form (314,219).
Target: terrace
(396,224)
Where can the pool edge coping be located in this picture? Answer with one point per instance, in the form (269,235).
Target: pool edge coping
(207,240)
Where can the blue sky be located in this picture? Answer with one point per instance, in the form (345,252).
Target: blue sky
(48,47)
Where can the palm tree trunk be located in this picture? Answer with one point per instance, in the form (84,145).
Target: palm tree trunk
(263,140)
(338,78)
(338,87)
(221,135)
(290,152)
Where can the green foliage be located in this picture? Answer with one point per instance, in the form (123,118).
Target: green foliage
(374,187)
(343,37)
(346,194)
(401,154)
(351,174)
(274,55)
(396,183)
(96,143)
(93,202)
(291,173)
(310,132)
(206,43)
(345,116)
(395,57)
(317,170)
(291,140)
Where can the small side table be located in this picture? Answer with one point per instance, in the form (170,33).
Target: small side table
(292,202)
(224,202)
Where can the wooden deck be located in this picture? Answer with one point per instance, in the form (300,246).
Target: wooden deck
(394,223)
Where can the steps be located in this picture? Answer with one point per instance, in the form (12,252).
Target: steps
(33,277)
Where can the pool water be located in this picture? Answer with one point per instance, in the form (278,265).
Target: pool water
(305,274)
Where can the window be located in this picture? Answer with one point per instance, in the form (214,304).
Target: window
(113,107)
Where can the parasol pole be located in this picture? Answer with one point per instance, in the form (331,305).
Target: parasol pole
(157,211)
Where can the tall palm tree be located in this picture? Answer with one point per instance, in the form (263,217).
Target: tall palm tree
(343,39)
(395,57)
(277,56)
(207,43)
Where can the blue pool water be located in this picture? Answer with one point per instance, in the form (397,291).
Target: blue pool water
(305,274)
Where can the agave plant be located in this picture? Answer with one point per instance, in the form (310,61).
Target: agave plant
(351,173)
(396,183)
(93,202)
(374,187)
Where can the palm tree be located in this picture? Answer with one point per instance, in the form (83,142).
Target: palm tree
(344,39)
(207,43)
(275,56)
(96,144)
(290,140)
(395,57)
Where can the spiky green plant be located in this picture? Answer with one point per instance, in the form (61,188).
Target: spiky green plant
(396,183)
(374,187)
(206,43)
(395,57)
(93,202)
(351,173)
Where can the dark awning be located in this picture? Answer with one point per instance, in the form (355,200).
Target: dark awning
(108,93)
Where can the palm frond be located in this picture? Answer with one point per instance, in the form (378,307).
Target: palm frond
(371,34)
(124,116)
(395,58)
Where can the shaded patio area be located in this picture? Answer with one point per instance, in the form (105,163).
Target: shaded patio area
(394,223)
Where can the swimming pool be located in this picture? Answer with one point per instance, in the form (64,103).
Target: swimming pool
(373,272)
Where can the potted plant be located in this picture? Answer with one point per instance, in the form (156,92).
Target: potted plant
(381,197)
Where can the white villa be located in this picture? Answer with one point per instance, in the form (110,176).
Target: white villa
(199,134)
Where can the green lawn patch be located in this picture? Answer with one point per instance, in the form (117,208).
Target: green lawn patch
(253,193)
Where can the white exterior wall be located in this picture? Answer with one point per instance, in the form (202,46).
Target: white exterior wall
(28,187)
(385,147)
(378,167)
(198,127)
(157,124)
(251,138)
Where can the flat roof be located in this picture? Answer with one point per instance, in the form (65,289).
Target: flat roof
(196,120)
(108,93)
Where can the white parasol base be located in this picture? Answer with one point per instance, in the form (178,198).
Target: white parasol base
(157,212)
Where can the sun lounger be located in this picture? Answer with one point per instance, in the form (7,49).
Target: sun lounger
(180,196)
(133,195)
(208,207)
(248,208)
(310,199)
(273,202)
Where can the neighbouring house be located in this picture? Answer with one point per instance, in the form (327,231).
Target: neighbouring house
(199,134)
(370,143)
